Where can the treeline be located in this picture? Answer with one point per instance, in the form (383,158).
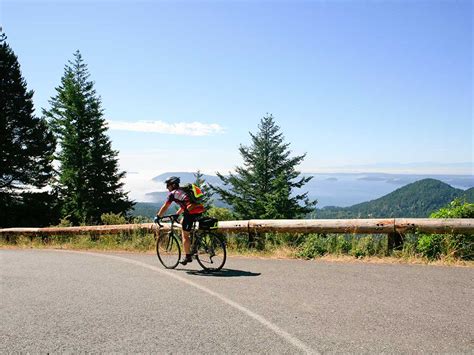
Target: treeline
(84,181)
(61,168)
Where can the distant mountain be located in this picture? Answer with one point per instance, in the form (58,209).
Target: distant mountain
(418,199)
(186,177)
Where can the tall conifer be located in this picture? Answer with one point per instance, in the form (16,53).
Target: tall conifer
(264,186)
(26,149)
(89,179)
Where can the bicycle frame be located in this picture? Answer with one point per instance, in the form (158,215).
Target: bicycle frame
(205,256)
(173,218)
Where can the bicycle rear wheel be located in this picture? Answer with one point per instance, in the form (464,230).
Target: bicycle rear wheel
(168,250)
(211,251)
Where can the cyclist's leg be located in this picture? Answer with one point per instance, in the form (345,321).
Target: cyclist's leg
(186,242)
(186,225)
(195,218)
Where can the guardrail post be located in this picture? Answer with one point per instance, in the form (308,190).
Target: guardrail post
(394,241)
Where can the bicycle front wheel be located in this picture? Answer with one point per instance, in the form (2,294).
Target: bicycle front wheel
(168,250)
(211,252)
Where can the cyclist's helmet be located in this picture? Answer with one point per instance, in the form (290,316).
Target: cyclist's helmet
(173,180)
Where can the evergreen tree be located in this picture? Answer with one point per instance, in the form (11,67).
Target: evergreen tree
(263,187)
(26,149)
(89,179)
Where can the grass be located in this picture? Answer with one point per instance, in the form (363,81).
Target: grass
(333,248)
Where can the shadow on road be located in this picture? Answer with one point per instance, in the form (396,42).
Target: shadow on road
(222,273)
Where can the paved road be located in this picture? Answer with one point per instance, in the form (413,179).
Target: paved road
(59,301)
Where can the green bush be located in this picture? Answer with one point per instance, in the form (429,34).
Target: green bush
(141,219)
(460,246)
(342,245)
(314,245)
(456,246)
(431,245)
(221,213)
(456,209)
(65,222)
(364,246)
(113,218)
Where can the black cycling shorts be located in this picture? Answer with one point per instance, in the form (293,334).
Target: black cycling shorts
(188,220)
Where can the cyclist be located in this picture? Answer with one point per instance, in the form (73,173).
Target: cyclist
(191,212)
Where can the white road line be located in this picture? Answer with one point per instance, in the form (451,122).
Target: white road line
(280,332)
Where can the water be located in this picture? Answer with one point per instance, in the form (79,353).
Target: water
(330,189)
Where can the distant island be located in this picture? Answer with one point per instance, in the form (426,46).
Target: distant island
(417,199)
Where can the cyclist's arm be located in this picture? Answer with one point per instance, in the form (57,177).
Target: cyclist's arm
(163,209)
(181,210)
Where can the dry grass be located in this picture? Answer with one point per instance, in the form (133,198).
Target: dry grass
(136,245)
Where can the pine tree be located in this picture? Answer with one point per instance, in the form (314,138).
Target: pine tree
(89,178)
(263,187)
(26,148)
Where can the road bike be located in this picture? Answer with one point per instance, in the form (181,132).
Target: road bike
(207,246)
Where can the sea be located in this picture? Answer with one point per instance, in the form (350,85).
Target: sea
(329,189)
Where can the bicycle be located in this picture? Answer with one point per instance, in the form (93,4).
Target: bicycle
(207,247)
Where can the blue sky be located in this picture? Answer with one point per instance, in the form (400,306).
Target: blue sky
(357,85)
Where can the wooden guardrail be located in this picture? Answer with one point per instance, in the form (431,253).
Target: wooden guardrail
(341,226)
(395,228)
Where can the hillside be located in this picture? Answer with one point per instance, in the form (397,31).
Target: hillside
(468,195)
(418,199)
(145,209)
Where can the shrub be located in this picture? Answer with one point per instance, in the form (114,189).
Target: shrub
(456,209)
(364,246)
(458,246)
(221,213)
(313,246)
(65,222)
(113,218)
(141,219)
(342,245)
(430,245)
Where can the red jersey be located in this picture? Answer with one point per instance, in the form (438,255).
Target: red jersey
(182,199)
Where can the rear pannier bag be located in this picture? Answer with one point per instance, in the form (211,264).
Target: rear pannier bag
(208,223)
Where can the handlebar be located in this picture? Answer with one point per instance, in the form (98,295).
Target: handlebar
(171,217)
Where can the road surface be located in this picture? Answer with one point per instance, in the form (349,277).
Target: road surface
(65,301)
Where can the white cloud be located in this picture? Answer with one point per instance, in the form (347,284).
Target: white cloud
(179,128)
